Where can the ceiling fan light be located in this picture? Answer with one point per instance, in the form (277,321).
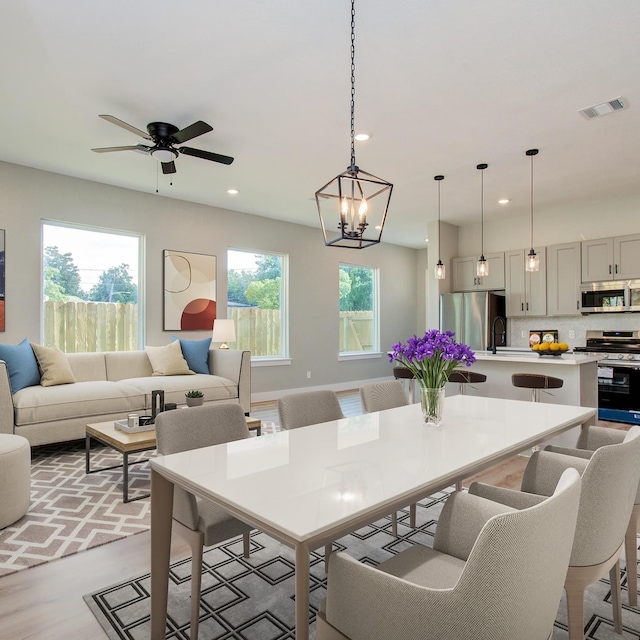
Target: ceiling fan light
(164,154)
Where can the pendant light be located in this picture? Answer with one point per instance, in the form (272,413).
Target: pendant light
(440,269)
(358,201)
(533,261)
(482,266)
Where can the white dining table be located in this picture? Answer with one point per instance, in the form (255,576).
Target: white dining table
(309,486)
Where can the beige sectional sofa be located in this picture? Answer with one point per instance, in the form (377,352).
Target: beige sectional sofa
(109,386)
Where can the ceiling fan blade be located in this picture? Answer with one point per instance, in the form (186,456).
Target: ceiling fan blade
(205,155)
(168,167)
(192,131)
(109,149)
(128,127)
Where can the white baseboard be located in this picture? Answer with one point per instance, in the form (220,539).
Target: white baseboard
(269,396)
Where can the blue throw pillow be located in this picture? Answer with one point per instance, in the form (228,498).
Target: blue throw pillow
(196,353)
(21,365)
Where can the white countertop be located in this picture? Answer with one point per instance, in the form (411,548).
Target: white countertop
(509,354)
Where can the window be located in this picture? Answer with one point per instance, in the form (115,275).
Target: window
(257,301)
(91,289)
(358,309)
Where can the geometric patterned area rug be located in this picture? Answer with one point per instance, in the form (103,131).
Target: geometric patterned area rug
(252,599)
(72,511)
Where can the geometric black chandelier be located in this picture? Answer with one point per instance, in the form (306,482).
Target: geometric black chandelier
(355,201)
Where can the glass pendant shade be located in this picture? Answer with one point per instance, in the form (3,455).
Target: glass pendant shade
(482,267)
(440,270)
(533,261)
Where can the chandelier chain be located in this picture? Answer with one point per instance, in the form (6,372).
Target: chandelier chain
(353,81)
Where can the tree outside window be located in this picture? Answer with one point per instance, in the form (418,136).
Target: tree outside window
(357,288)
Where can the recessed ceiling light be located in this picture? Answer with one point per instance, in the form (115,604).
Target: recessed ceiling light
(504,201)
(378,227)
(426,239)
(361,137)
(232,192)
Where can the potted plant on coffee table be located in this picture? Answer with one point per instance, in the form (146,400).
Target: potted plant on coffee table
(194,398)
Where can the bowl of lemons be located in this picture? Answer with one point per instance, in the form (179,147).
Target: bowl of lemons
(550,348)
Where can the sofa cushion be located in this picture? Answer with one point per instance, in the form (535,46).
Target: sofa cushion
(196,353)
(92,399)
(22,365)
(168,360)
(174,387)
(54,366)
(127,364)
(88,366)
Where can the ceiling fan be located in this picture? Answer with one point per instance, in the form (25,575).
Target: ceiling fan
(164,137)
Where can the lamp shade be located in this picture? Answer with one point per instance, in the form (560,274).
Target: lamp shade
(223,331)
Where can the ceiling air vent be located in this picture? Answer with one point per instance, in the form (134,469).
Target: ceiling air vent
(603,108)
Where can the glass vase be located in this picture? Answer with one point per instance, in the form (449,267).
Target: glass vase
(432,405)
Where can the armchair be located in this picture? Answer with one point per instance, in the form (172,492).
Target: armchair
(609,485)
(494,573)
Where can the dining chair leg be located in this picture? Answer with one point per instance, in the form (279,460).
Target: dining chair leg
(631,555)
(616,597)
(394,524)
(575,611)
(328,548)
(246,543)
(412,515)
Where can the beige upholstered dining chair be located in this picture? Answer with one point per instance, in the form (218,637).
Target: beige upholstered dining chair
(593,438)
(494,573)
(378,396)
(200,522)
(307,408)
(609,484)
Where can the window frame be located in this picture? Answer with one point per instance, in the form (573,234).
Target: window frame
(283,357)
(141,283)
(374,352)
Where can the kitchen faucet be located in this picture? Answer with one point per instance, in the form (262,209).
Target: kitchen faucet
(493,333)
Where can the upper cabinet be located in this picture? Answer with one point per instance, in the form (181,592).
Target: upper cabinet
(611,259)
(526,291)
(563,279)
(465,278)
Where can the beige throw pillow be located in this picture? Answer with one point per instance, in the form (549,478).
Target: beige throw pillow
(54,366)
(168,361)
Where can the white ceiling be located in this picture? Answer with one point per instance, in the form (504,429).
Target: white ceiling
(441,86)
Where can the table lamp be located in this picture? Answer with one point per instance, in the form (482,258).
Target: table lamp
(223,331)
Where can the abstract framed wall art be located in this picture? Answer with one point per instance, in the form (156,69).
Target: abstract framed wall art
(2,282)
(189,291)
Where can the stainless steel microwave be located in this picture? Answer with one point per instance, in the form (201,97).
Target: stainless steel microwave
(610,297)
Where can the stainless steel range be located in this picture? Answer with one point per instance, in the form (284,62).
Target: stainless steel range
(618,373)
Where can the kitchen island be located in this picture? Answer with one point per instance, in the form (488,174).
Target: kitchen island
(579,373)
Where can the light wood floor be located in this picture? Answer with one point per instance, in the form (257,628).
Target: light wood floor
(46,601)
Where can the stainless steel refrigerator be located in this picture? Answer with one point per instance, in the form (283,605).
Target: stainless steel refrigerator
(470,316)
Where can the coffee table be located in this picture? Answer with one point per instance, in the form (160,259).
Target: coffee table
(131,443)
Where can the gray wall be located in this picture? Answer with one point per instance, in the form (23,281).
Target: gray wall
(28,196)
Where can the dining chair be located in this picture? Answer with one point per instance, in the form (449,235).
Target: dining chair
(593,438)
(609,485)
(304,409)
(494,573)
(200,522)
(378,396)
(309,407)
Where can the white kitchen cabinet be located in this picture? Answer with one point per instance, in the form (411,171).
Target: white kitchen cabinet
(465,278)
(611,259)
(526,291)
(564,279)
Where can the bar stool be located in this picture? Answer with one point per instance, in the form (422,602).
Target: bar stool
(463,378)
(535,382)
(402,373)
